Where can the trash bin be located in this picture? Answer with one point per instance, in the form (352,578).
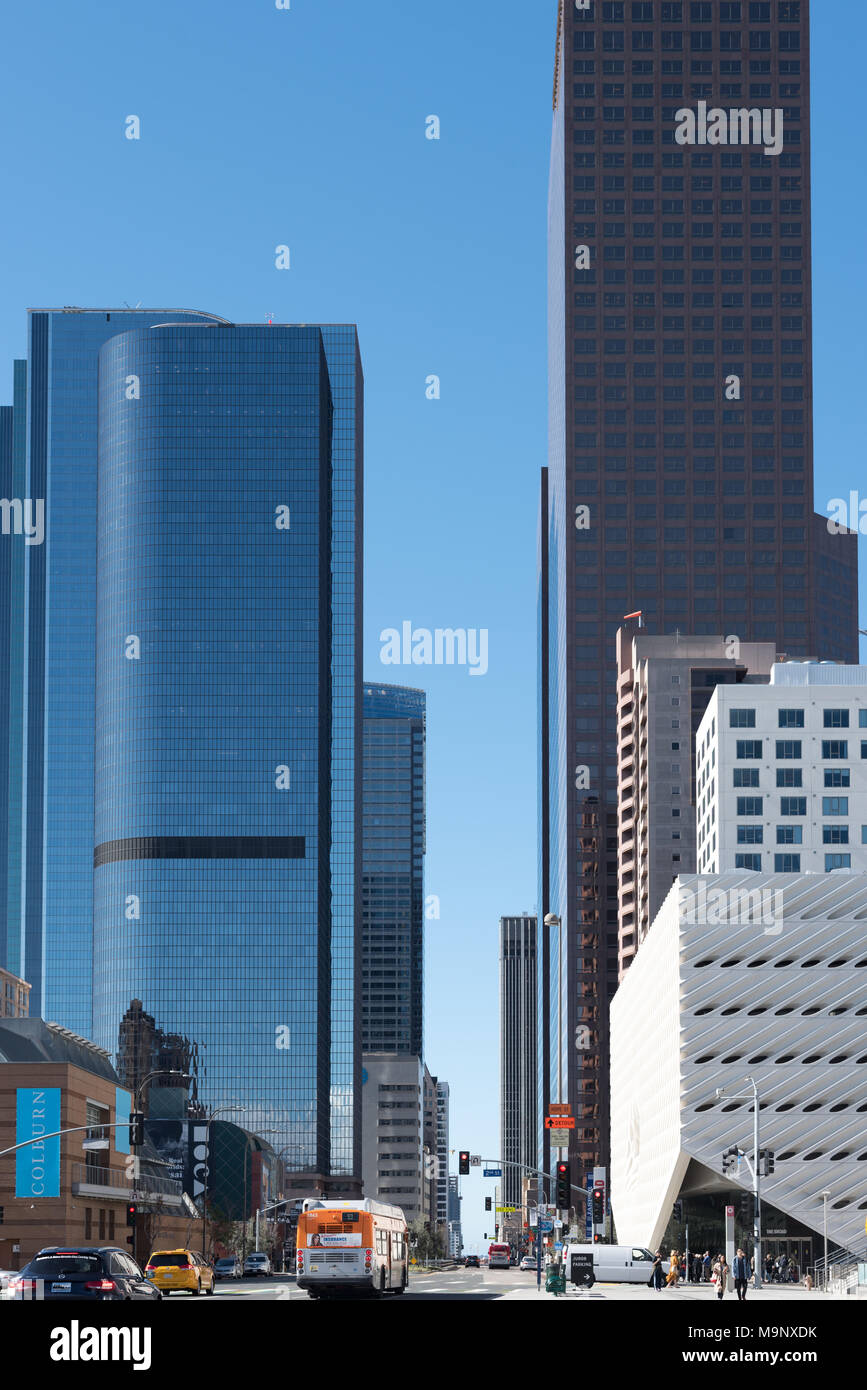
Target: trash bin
(555,1279)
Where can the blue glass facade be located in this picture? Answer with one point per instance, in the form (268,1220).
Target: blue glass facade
(51,914)
(215,895)
(235,925)
(393,870)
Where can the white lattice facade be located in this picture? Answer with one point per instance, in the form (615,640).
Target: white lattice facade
(745,974)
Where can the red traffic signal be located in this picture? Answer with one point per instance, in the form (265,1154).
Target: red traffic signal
(464,1162)
(131,1210)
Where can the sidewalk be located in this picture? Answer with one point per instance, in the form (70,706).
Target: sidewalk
(684,1293)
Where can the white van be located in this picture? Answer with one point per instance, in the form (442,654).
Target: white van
(614,1264)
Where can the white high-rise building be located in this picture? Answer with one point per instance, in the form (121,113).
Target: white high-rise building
(781,773)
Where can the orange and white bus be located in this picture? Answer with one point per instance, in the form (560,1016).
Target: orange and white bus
(499,1255)
(351,1246)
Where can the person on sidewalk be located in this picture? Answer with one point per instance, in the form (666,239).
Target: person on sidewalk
(741,1275)
(656,1276)
(723,1274)
(673,1269)
(706,1263)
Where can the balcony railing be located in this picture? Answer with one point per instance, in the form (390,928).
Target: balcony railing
(116,1180)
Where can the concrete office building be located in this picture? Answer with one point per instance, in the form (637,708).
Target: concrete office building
(442,1168)
(663,688)
(393,1154)
(781,773)
(744,975)
(518,1052)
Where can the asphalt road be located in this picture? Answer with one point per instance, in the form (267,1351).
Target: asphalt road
(483,1284)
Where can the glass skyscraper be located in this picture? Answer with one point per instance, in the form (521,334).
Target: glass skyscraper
(393,902)
(192,718)
(680,468)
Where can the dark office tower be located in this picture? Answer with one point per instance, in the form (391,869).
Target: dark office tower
(224,814)
(393,903)
(518,1043)
(680,469)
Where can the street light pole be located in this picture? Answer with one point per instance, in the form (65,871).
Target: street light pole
(553,920)
(757,1200)
(825,1195)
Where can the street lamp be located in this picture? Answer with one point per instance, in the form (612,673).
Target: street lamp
(134,1148)
(825,1194)
(757,1206)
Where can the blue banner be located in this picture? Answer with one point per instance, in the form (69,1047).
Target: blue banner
(122,1111)
(37,1166)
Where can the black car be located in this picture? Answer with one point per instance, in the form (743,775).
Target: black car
(472,1262)
(82,1272)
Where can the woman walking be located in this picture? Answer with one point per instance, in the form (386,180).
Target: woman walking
(673,1270)
(723,1276)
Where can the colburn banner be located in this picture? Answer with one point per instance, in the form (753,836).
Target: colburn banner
(37,1166)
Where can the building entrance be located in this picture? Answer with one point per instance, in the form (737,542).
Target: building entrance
(798,1256)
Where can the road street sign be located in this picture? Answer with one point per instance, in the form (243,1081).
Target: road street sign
(475,1160)
(559,1122)
(506,1208)
(559,1109)
(559,1138)
(492,1173)
(547,1225)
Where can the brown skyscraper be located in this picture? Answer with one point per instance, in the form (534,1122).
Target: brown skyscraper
(680,468)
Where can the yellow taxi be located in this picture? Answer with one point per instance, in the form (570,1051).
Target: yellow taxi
(180,1269)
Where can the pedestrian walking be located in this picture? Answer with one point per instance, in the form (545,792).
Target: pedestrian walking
(723,1274)
(769,1268)
(673,1267)
(706,1263)
(741,1275)
(656,1276)
(697,1267)
(784,1268)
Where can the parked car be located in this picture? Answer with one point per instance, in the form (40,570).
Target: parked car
(82,1272)
(188,1270)
(229,1267)
(6,1275)
(472,1262)
(257,1264)
(527,1262)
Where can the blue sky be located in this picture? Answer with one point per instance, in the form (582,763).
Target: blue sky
(261,127)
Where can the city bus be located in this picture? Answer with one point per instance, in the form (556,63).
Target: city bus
(499,1255)
(351,1247)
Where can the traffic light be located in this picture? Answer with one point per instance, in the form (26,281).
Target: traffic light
(729,1159)
(487,1204)
(131,1210)
(136,1129)
(598,1202)
(677,1211)
(771,1162)
(1,1216)
(464,1162)
(564,1186)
